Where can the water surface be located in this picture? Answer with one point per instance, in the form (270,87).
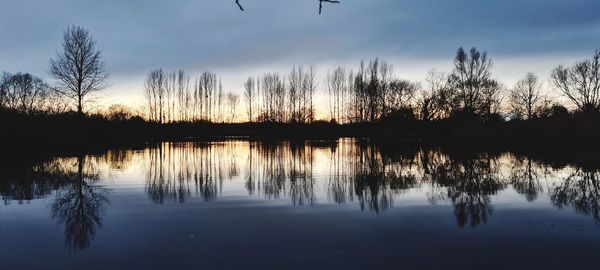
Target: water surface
(346,204)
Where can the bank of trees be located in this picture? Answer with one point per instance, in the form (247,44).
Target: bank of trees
(369,93)
(28,94)
(175,97)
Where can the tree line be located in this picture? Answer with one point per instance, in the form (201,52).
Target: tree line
(370,93)
(373,93)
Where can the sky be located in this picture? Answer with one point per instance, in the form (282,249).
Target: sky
(137,36)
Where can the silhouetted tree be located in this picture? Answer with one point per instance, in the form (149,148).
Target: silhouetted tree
(119,112)
(233,101)
(309,87)
(526,97)
(249,95)
(79,68)
(473,88)
(24,92)
(580,83)
(154,93)
(400,94)
(336,88)
(433,101)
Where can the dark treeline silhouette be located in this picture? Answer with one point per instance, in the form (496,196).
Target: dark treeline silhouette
(465,104)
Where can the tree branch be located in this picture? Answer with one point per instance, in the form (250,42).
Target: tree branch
(328,1)
(320,4)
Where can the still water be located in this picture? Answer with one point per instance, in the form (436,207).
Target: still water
(347,204)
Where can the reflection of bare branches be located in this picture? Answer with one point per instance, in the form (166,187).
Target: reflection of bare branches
(173,169)
(79,206)
(581,190)
(35,182)
(469,184)
(525,179)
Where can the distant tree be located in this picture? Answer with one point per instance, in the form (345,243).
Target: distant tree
(580,83)
(336,88)
(310,88)
(385,93)
(294,95)
(249,95)
(4,80)
(526,97)
(23,92)
(400,94)
(432,101)
(154,92)
(79,68)
(119,112)
(373,90)
(359,86)
(207,88)
(470,80)
(218,113)
(232,101)
(491,99)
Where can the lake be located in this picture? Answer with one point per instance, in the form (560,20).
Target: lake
(344,204)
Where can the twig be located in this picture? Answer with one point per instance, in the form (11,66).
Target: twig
(328,1)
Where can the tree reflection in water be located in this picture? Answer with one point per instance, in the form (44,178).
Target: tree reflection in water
(351,171)
(525,178)
(80,203)
(343,171)
(581,190)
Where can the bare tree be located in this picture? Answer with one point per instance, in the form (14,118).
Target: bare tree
(310,87)
(79,68)
(492,97)
(580,83)
(432,101)
(249,95)
(400,94)
(154,92)
(526,97)
(336,88)
(23,92)
(471,76)
(232,104)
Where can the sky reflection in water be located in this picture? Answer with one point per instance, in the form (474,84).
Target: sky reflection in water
(344,204)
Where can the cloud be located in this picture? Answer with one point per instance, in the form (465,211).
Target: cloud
(137,36)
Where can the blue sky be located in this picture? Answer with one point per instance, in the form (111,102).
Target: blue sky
(272,35)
